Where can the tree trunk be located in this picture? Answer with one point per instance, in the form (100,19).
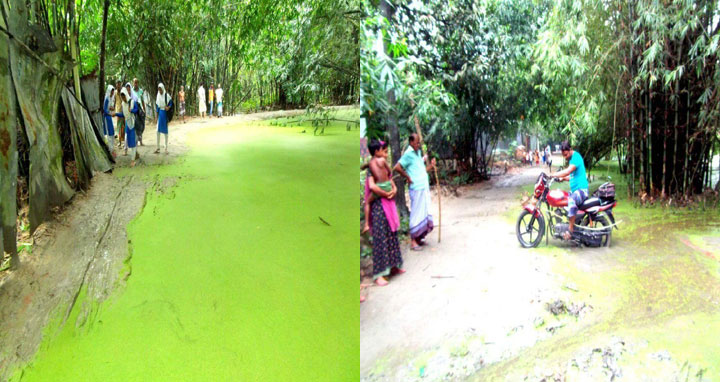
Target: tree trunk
(388,11)
(8,152)
(674,184)
(74,51)
(632,107)
(687,148)
(649,142)
(101,76)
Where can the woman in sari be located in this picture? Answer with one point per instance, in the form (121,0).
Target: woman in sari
(384,223)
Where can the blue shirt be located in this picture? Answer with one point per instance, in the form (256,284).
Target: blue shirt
(578,178)
(412,162)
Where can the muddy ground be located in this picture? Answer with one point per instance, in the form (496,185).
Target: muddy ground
(84,249)
(477,306)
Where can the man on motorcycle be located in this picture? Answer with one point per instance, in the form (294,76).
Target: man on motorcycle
(578,183)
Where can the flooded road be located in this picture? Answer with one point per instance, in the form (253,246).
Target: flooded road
(648,305)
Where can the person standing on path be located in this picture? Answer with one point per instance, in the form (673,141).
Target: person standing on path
(384,221)
(211,97)
(414,167)
(140,123)
(218,96)
(140,115)
(118,109)
(130,109)
(108,129)
(181,102)
(163,101)
(202,107)
(578,183)
(548,159)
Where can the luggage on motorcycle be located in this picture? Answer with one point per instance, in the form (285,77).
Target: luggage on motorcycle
(587,237)
(606,191)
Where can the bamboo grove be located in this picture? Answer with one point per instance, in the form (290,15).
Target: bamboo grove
(652,87)
(634,81)
(56,58)
(266,54)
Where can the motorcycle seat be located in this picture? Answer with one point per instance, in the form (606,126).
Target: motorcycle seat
(590,203)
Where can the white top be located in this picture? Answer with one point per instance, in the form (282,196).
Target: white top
(218,94)
(201,94)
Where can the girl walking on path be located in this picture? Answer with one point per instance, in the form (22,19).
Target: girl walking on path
(181,102)
(218,96)
(202,107)
(163,101)
(108,129)
(118,109)
(129,110)
(211,98)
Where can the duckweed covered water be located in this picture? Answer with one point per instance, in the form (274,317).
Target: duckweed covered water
(234,275)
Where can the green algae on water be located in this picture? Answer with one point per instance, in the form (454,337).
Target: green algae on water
(234,276)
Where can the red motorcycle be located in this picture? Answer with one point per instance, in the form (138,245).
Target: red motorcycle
(592,228)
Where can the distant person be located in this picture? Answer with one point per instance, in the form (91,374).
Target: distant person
(211,97)
(118,109)
(218,97)
(139,92)
(575,172)
(202,107)
(108,113)
(548,158)
(163,101)
(414,167)
(149,109)
(130,109)
(383,219)
(135,92)
(181,102)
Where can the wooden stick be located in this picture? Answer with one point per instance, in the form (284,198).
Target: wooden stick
(439,204)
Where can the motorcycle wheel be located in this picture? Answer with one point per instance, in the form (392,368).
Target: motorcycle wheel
(530,235)
(599,222)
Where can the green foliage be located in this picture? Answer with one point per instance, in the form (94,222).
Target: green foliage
(394,69)
(264,53)
(638,79)
(462,68)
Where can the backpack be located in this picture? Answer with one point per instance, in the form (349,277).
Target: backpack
(141,113)
(606,191)
(171,112)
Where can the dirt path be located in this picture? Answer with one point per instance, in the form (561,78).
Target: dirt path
(423,319)
(85,248)
(488,319)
